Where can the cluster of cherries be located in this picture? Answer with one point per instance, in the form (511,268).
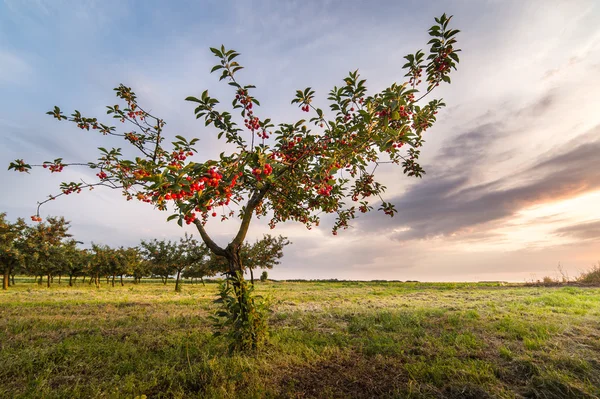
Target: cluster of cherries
(212,180)
(134,114)
(71,190)
(36,218)
(252,123)
(181,155)
(305,108)
(102,175)
(325,190)
(55,167)
(190,217)
(132,137)
(265,171)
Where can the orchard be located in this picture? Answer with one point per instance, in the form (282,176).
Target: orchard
(324,163)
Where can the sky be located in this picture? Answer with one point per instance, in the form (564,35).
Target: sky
(512,189)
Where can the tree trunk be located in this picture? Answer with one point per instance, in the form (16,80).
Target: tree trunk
(70,280)
(49,277)
(113,280)
(177,281)
(97,281)
(236,268)
(40,280)
(251,276)
(75,280)
(164,279)
(201,279)
(59,276)
(5,280)
(12,278)
(122,280)
(84,276)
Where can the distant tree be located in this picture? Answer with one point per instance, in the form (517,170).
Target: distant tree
(137,266)
(11,247)
(201,265)
(264,276)
(264,253)
(116,264)
(43,248)
(160,256)
(100,257)
(173,258)
(74,260)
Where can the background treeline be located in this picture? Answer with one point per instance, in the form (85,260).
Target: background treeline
(47,252)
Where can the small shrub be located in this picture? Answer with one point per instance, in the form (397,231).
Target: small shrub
(242,318)
(592,276)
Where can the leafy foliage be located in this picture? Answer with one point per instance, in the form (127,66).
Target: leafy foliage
(242,317)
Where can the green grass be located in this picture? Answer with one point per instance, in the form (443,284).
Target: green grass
(328,339)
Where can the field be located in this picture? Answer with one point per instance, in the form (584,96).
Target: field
(328,339)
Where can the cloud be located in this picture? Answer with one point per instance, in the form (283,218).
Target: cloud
(584,231)
(448,204)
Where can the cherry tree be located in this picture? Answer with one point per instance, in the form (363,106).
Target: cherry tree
(322,164)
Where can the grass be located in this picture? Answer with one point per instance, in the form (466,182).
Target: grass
(328,339)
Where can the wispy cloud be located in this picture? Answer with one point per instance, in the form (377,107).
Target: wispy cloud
(585,231)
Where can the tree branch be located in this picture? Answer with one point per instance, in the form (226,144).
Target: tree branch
(217,250)
(252,203)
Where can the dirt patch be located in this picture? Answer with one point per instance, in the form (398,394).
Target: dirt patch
(343,376)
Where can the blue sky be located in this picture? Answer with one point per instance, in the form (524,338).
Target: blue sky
(512,186)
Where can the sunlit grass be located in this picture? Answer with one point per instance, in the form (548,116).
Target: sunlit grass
(328,339)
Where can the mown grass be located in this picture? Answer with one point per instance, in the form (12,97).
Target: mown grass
(328,339)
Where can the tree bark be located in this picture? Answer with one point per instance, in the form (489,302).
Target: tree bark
(97,281)
(122,280)
(70,280)
(201,279)
(113,280)
(59,276)
(48,281)
(251,276)
(5,280)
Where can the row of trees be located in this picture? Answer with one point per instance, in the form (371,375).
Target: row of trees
(48,250)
